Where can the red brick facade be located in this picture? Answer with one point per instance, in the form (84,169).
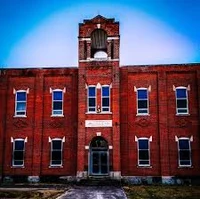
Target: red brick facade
(112,119)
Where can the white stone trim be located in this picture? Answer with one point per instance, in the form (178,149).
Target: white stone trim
(92,59)
(85,39)
(98,86)
(113,38)
(98,133)
(98,123)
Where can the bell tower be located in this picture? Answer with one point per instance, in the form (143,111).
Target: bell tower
(98,103)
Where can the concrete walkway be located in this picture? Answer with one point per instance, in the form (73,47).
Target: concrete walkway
(94,192)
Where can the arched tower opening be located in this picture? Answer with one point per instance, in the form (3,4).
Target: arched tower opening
(99,44)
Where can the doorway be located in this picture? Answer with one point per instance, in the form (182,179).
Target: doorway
(98,157)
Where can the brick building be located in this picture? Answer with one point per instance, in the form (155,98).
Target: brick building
(139,123)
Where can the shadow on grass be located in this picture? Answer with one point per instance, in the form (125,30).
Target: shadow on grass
(47,194)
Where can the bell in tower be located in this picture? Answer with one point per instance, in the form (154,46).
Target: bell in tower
(99,44)
(99,40)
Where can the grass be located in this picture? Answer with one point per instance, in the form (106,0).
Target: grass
(36,194)
(162,192)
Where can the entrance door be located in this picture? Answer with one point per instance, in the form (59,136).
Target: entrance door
(99,158)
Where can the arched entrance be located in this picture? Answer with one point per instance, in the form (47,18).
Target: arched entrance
(98,157)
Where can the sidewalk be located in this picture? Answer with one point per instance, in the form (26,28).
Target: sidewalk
(94,192)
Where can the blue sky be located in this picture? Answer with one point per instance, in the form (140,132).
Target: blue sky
(40,33)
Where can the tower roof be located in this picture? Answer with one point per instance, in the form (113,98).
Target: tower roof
(99,19)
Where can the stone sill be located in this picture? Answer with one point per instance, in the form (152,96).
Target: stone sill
(101,113)
(23,116)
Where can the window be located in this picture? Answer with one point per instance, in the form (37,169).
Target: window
(181,100)
(18,152)
(105,98)
(56,152)
(143,152)
(91,99)
(142,101)
(20,103)
(57,102)
(184,152)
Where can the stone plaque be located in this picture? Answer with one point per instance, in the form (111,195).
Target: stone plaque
(98,123)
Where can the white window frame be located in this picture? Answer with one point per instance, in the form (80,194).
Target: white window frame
(54,114)
(147,109)
(138,151)
(13,151)
(61,151)
(95,107)
(16,102)
(102,107)
(187,107)
(189,143)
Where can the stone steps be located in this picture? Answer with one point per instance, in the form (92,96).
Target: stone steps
(99,181)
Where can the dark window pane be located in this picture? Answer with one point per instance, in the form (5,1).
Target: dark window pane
(181,93)
(142,94)
(105,91)
(57,105)
(104,158)
(21,106)
(183,144)
(95,169)
(57,144)
(18,155)
(105,109)
(92,101)
(184,155)
(143,155)
(142,111)
(182,111)
(182,103)
(95,158)
(19,145)
(185,162)
(92,91)
(21,96)
(56,155)
(104,169)
(145,162)
(57,112)
(57,95)
(56,162)
(92,109)
(18,162)
(105,102)
(142,104)
(20,113)
(143,144)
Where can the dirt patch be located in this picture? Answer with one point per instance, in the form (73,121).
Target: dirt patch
(162,192)
(36,194)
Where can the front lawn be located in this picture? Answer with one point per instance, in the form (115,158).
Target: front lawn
(162,192)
